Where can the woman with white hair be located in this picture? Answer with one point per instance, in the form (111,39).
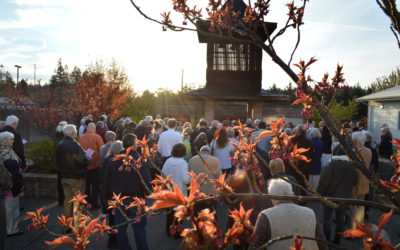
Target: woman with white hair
(315,135)
(10,160)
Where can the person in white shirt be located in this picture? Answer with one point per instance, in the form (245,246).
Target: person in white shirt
(168,139)
(178,168)
(82,127)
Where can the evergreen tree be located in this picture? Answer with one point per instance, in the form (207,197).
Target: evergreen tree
(60,77)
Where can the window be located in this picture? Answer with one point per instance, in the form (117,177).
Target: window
(233,57)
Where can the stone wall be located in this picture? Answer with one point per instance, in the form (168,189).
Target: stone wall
(40,185)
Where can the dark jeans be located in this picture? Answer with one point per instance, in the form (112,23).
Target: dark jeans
(93,186)
(2,223)
(139,230)
(60,189)
(328,220)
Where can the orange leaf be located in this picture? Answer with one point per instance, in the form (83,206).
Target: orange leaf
(354,233)
(384,219)
(63,240)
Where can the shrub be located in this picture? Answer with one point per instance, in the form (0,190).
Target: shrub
(42,154)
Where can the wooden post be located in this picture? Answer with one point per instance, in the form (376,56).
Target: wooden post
(258,110)
(250,109)
(209,111)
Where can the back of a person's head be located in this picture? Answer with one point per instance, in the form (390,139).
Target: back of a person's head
(262,125)
(115,148)
(110,136)
(178,150)
(69,129)
(87,121)
(91,127)
(83,121)
(129,140)
(4,136)
(249,121)
(11,119)
(205,149)
(222,138)
(127,121)
(358,138)
(100,124)
(279,187)
(225,123)
(230,131)
(203,123)
(214,123)
(187,131)
(172,123)
(368,136)
(314,133)
(277,165)
(157,125)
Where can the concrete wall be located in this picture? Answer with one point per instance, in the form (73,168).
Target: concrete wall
(383,112)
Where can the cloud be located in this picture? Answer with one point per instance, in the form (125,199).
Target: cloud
(28,18)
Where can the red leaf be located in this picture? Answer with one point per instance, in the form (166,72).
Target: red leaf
(354,233)
(63,240)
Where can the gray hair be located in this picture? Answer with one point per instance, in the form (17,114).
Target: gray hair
(60,126)
(230,131)
(205,149)
(91,126)
(115,148)
(127,121)
(83,121)
(314,133)
(69,129)
(11,119)
(5,136)
(100,124)
(214,124)
(358,138)
(279,187)
(110,136)
(149,118)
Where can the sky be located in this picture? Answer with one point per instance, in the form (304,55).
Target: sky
(353,33)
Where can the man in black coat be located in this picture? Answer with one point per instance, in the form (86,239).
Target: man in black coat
(202,128)
(18,146)
(124,180)
(72,163)
(305,167)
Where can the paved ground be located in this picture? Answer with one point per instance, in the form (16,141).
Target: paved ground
(157,238)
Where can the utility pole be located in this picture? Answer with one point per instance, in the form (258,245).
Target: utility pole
(34,74)
(182,81)
(18,67)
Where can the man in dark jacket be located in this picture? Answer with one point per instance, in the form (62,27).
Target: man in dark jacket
(202,128)
(337,180)
(18,146)
(305,167)
(71,161)
(120,179)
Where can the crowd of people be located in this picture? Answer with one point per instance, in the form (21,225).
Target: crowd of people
(85,163)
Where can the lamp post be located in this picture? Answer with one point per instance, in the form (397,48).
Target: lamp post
(18,67)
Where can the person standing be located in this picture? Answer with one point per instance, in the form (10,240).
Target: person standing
(223,150)
(168,139)
(337,180)
(92,142)
(362,187)
(385,146)
(285,218)
(82,128)
(211,171)
(327,141)
(11,162)
(305,167)
(58,137)
(100,130)
(315,136)
(202,128)
(72,162)
(127,183)
(18,146)
(5,186)
(178,168)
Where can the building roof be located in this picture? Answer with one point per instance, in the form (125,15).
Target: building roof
(229,95)
(384,95)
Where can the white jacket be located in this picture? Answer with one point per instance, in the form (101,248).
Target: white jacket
(178,168)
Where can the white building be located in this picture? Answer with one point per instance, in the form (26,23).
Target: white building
(383,107)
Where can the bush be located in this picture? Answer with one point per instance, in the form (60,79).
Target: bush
(42,154)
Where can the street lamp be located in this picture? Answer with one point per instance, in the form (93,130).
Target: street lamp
(18,67)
